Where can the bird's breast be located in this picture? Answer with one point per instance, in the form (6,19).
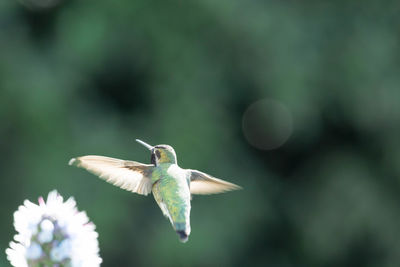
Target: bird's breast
(176,172)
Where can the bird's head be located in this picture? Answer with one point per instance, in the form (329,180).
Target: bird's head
(160,153)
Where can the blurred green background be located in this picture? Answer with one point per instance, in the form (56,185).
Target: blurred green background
(318,154)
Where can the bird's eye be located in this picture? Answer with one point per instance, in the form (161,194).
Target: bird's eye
(158,154)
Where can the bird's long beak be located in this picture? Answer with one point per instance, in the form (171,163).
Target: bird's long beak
(149,147)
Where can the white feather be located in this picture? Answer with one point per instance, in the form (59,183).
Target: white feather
(128,175)
(204,184)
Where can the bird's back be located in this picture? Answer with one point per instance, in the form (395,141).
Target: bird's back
(171,192)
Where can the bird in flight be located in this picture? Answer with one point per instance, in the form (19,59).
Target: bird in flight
(171,185)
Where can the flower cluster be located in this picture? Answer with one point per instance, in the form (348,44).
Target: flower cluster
(53,233)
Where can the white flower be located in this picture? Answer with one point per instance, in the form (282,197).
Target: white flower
(53,231)
(34,251)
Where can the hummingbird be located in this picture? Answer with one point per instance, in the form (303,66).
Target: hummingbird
(172,186)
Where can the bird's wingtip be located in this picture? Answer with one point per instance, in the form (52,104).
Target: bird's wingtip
(72,161)
(238,187)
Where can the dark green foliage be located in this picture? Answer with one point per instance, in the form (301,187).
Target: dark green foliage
(89,77)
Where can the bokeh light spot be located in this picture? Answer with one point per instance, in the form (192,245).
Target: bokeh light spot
(267,124)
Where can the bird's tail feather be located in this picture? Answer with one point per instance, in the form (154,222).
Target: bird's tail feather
(183,237)
(183,231)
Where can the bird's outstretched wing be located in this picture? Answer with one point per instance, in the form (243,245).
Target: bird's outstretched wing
(204,184)
(129,175)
